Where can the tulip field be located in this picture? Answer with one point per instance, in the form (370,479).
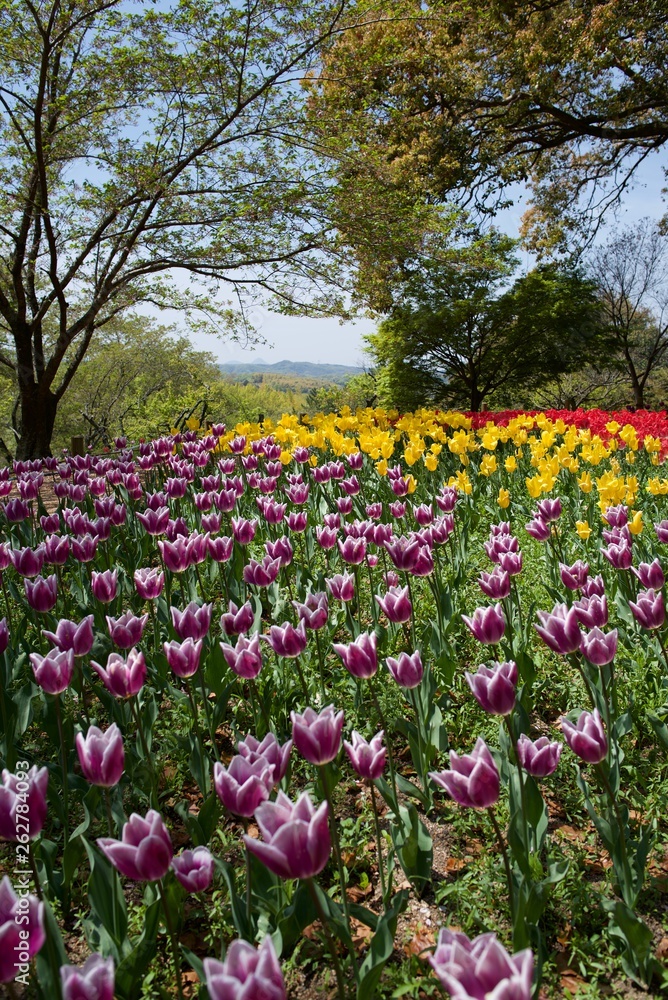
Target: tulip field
(351,706)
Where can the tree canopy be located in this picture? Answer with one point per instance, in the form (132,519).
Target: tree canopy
(460,334)
(139,140)
(460,100)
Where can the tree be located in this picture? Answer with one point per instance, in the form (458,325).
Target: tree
(135,141)
(455,337)
(631,271)
(460,100)
(133,361)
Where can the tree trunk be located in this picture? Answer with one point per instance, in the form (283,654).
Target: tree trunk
(38,415)
(476,399)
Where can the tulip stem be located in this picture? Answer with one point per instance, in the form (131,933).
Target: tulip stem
(321,664)
(172,937)
(658,635)
(147,756)
(209,717)
(9,612)
(388,742)
(35,874)
(410,597)
(324,921)
(379,844)
(628,874)
(110,818)
(506,863)
(63,760)
(249,890)
(339,860)
(520,772)
(9,748)
(198,737)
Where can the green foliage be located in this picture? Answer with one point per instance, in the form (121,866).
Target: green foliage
(460,100)
(455,337)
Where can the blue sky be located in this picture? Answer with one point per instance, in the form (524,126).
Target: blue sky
(328,341)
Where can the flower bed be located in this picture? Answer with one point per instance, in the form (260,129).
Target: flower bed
(262,689)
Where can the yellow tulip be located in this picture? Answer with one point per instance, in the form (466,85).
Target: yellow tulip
(503,498)
(635,524)
(583,530)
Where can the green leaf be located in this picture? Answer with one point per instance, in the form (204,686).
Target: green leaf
(414,847)
(381,947)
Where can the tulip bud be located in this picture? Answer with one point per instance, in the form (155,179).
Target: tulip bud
(145,851)
(367,759)
(587,738)
(101,755)
(359,657)
(539,758)
(494,687)
(406,670)
(473,779)
(317,736)
(95,979)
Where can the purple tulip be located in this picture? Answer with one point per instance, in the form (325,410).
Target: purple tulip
(54,671)
(262,574)
(424,562)
(296,836)
(243,530)
(280,549)
(403,552)
(649,609)
(149,583)
(104,585)
(359,657)
(587,738)
(69,635)
(220,549)
(352,550)
(21,929)
(127,630)
(245,659)
(549,510)
(243,785)
(471,970)
(559,629)
(193,623)
(661,530)
(123,678)
(341,586)
(473,779)
(367,759)
(326,537)
(194,869)
(183,657)
(23,803)
(539,758)
(317,736)
(286,640)
(16,510)
(396,604)
(246,974)
(495,584)
(594,586)
(270,750)
(84,548)
(28,562)
(494,687)
(175,554)
(617,517)
(314,612)
(599,647)
(538,529)
(101,755)
(93,981)
(619,556)
(510,562)
(56,550)
(500,544)
(592,612)
(42,593)
(145,851)
(650,575)
(406,670)
(237,621)
(488,624)
(574,576)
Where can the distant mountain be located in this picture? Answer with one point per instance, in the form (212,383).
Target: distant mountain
(302,369)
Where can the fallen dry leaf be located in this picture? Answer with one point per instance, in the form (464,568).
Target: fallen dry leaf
(422,939)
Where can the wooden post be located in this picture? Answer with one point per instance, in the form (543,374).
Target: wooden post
(77,446)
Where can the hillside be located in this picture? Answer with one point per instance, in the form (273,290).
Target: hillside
(333,374)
